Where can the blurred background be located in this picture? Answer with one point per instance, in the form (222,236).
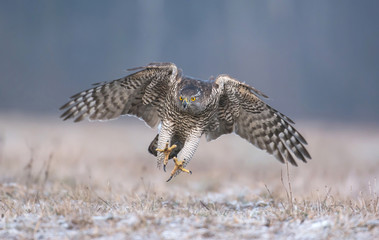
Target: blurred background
(317,60)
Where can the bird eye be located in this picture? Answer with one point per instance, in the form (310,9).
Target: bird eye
(193,99)
(180,98)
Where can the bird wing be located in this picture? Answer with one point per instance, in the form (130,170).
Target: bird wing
(242,111)
(140,94)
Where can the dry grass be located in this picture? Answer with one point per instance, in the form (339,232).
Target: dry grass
(96,180)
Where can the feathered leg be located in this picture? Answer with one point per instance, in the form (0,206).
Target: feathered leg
(186,154)
(164,141)
(166,151)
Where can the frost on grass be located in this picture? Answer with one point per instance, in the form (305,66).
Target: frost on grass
(62,181)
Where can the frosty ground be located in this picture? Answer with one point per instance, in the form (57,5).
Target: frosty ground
(60,180)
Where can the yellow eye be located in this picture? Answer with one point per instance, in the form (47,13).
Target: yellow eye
(193,99)
(180,98)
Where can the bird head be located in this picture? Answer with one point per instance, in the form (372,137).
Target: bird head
(191,99)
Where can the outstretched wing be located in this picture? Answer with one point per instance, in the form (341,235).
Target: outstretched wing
(242,111)
(140,94)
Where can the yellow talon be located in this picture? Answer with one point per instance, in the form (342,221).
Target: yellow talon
(167,151)
(178,166)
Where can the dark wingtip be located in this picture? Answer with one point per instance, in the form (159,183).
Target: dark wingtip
(95,84)
(289,119)
(78,119)
(136,68)
(263,95)
(62,116)
(68,114)
(294,164)
(65,105)
(300,137)
(306,153)
(67,117)
(260,93)
(291,160)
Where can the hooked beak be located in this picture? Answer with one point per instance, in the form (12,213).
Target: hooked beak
(185,103)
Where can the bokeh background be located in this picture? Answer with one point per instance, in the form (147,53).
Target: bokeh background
(315,59)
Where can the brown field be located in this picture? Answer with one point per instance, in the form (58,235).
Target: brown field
(60,180)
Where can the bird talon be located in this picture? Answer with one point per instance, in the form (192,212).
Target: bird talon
(169,179)
(178,166)
(167,151)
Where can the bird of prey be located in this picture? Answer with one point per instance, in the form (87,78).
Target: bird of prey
(187,108)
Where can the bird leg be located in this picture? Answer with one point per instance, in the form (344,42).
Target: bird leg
(167,151)
(178,166)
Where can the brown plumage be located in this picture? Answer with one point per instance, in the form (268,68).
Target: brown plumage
(187,108)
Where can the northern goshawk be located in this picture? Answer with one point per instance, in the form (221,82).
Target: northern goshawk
(186,108)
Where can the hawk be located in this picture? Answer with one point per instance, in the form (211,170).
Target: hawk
(187,108)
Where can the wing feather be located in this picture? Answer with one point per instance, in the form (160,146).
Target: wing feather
(140,94)
(242,111)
